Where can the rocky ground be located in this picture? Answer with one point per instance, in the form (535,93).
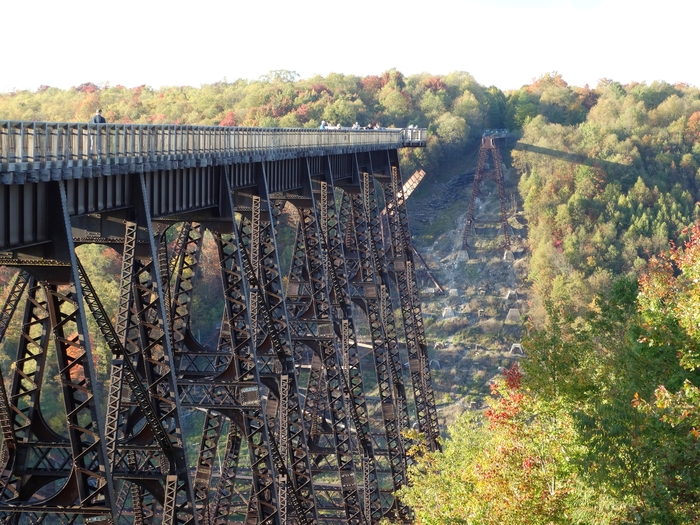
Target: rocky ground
(473,325)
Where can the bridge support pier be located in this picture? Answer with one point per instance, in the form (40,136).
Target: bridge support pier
(319,451)
(56,466)
(483,174)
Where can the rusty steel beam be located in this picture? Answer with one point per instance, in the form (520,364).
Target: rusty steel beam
(339,292)
(315,330)
(270,326)
(320,457)
(399,259)
(62,473)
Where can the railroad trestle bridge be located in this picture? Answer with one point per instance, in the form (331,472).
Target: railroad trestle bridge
(291,432)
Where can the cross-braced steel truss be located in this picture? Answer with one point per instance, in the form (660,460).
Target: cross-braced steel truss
(489,143)
(288,431)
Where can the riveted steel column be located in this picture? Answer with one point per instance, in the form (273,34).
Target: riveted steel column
(249,417)
(277,372)
(258,256)
(332,246)
(367,293)
(315,329)
(69,469)
(399,259)
(157,467)
(9,441)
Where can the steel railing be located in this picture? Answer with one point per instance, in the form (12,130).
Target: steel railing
(40,146)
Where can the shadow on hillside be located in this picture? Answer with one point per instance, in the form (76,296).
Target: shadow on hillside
(574,158)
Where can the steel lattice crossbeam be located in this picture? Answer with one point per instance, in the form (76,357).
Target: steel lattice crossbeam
(289,435)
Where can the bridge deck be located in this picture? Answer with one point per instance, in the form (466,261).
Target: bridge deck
(43,151)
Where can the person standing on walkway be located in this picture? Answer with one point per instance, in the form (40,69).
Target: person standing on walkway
(97,118)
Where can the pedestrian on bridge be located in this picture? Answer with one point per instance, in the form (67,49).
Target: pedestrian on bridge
(97,118)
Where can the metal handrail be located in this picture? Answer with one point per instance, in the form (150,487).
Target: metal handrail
(31,146)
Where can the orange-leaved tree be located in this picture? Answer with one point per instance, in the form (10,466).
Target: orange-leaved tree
(507,465)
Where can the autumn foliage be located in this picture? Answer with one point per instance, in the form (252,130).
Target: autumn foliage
(509,468)
(669,298)
(669,301)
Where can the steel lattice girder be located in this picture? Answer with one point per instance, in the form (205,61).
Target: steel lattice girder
(273,351)
(368,295)
(243,367)
(400,264)
(332,248)
(8,432)
(156,471)
(328,386)
(46,473)
(153,322)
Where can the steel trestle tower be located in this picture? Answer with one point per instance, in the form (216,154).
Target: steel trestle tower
(289,434)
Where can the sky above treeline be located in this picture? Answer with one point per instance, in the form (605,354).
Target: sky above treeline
(506,43)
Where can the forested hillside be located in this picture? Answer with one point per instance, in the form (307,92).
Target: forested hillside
(455,106)
(599,422)
(627,183)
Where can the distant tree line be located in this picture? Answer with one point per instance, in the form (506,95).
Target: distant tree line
(454,107)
